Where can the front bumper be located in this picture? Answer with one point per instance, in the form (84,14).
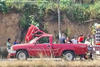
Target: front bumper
(11,53)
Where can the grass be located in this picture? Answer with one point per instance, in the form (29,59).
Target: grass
(50,63)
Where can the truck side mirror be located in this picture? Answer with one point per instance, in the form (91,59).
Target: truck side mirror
(48,46)
(35,43)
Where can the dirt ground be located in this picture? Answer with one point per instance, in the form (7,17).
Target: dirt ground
(48,63)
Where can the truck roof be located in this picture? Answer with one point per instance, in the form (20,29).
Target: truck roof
(46,35)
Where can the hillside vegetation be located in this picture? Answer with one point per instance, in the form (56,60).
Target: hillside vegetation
(17,15)
(36,11)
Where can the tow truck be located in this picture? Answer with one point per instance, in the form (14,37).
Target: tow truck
(40,43)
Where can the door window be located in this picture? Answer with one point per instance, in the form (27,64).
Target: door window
(43,40)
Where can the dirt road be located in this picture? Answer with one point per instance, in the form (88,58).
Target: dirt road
(48,63)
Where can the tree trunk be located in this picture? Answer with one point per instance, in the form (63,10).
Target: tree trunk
(81,1)
(92,1)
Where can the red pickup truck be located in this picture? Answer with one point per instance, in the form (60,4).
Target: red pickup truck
(44,45)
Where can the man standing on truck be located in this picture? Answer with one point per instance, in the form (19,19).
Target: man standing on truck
(74,40)
(62,38)
(15,42)
(81,39)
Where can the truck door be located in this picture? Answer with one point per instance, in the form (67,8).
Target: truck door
(42,47)
(80,49)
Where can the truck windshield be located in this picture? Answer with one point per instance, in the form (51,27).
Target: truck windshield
(33,40)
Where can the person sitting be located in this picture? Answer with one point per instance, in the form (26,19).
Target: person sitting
(62,38)
(74,40)
(68,40)
(15,42)
(81,39)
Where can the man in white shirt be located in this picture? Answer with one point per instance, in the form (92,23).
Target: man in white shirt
(74,40)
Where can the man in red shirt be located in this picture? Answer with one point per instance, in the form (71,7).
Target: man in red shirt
(81,39)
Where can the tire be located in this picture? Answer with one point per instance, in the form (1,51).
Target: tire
(69,55)
(22,55)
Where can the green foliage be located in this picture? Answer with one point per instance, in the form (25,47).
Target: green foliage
(65,3)
(35,12)
(23,22)
(67,32)
(18,4)
(77,12)
(33,22)
(3,7)
(94,10)
(30,15)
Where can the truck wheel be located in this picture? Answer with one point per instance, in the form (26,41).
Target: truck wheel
(22,55)
(68,55)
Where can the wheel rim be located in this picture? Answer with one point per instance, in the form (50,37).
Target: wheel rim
(22,56)
(68,56)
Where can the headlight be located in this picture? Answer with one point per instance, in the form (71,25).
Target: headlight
(12,50)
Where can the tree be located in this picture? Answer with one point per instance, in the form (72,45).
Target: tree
(79,1)
(92,1)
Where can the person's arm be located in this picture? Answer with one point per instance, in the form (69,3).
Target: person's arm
(79,39)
